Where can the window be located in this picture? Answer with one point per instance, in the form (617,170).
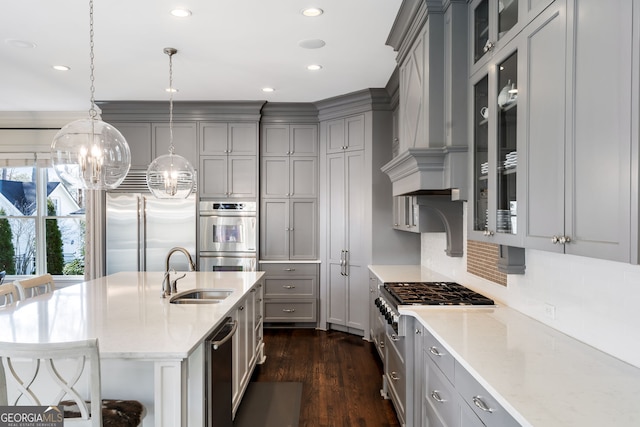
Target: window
(42,223)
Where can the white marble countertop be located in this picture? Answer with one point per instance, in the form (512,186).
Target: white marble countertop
(540,375)
(127,315)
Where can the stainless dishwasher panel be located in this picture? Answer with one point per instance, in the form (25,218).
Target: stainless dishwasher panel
(218,374)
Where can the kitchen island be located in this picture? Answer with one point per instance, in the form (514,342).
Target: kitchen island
(151,350)
(540,376)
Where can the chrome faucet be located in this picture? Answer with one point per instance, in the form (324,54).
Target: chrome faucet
(167,283)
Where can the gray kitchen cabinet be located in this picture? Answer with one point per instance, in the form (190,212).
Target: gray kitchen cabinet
(345,134)
(138,136)
(149,140)
(185,140)
(288,186)
(288,229)
(228,177)
(247,341)
(237,139)
(444,393)
(355,207)
(346,251)
(581,134)
(505,105)
(290,293)
(494,23)
(228,160)
(289,177)
(376,323)
(289,140)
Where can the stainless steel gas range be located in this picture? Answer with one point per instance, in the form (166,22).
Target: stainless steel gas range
(389,336)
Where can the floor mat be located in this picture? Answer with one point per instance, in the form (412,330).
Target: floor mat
(270,404)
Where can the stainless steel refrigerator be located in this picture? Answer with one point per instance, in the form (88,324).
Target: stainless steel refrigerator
(140,231)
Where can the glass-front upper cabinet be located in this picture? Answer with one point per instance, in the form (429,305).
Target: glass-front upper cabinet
(492,21)
(507,152)
(495,151)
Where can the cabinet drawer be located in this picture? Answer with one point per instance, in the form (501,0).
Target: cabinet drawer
(396,381)
(480,401)
(395,343)
(284,288)
(290,311)
(287,270)
(439,355)
(442,402)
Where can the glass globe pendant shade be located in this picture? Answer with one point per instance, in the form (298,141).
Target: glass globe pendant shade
(90,154)
(170,176)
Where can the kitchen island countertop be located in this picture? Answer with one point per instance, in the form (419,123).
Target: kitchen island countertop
(539,375)
(127,314)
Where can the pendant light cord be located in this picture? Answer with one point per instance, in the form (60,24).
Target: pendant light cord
(92,110)
(170,52)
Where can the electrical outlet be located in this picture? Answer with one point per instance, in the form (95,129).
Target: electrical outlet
(550,311)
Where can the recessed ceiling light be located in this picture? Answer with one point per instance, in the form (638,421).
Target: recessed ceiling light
(61,68)
(312,11)
(314,67)
(311,43)
(181,13)
(25,44)
(268,89)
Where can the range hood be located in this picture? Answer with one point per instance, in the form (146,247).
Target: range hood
(429,171)
(438,177)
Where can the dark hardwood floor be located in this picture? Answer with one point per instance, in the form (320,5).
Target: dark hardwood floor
(341,376)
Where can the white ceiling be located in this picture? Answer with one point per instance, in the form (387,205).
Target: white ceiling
(227,50)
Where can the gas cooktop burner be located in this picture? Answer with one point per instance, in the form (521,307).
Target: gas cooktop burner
(435,293)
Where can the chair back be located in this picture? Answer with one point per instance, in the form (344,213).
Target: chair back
(9,295)
(34,374)
(39,285)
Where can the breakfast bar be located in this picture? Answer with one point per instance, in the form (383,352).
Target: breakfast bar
(151,350)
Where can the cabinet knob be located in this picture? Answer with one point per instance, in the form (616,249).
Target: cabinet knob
(565,239)
(488,46)
(488,233)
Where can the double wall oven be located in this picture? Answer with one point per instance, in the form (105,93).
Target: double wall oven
(228,236)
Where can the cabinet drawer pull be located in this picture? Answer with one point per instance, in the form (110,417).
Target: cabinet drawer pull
(288,310)
(394,376)
(289,269)
(288,286)
(394,337)
(434,350)
(436,396)
(477,400)
(381,344)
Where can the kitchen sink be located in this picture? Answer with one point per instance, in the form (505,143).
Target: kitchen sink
(200,296)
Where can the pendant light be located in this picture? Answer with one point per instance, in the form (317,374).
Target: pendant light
(89,153)
(170,176)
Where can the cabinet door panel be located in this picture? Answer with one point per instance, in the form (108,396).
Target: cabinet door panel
(355,209)
(184,140)
(545,134)
(304,140)
(138,136)
(243,139)
(275,177)
(213,138)
(337,295)
(275,140)
(213,176)
(354,127)
(302,224)
(304,175)
(335,205)
(599,206)
(335,136)
(274,218)
(242,176)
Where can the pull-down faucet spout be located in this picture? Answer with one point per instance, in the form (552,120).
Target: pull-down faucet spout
(166,281)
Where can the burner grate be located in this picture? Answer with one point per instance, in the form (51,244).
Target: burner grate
(435,293)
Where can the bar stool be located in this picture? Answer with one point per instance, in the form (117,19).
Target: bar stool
(40,285)
(51,362)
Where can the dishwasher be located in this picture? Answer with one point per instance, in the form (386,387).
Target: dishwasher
(218,375)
